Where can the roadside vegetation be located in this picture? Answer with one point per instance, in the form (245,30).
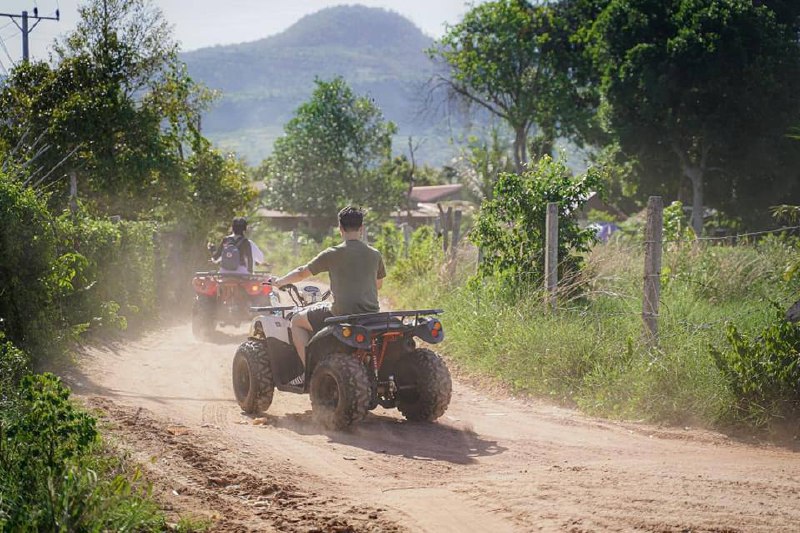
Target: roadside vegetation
(726,356)
(107,193)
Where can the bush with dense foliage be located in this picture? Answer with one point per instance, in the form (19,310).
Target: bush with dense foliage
(28,280)
(762,370)
(63,275)
(510,228)
(54,474)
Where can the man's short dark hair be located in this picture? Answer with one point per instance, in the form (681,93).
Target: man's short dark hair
(351,218)
(239,225)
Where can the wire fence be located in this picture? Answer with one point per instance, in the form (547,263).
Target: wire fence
(683,269)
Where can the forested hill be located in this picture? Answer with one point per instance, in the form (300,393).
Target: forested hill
(377,52)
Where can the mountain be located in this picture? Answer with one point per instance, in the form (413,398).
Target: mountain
(378,52)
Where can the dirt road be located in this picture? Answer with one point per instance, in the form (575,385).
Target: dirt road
(491,464)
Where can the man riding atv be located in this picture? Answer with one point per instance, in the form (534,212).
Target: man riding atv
(356,273)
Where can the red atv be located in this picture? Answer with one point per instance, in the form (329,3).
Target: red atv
(226,298)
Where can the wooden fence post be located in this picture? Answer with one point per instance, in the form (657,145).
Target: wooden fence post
(447,225)
(406,239)
(652,267)
(456,235)
(551,256)
(456,231)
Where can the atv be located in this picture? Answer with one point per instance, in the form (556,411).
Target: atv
(354,364)
(225,298)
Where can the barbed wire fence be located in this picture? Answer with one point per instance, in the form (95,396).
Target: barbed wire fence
(568,294)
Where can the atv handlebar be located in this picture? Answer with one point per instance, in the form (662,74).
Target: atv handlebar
(295,294)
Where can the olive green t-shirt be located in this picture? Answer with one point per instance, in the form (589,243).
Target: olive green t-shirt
(354,267)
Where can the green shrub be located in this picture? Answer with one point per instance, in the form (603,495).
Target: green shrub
(676,224)
(112,271)
(55,475)
(27,280)
(389,241)
(763,372)
(423,259)
(14,365)
(510,228)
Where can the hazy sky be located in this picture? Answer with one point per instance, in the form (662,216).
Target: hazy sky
(200,23)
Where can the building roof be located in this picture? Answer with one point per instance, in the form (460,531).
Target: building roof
(263,212)
(434,193)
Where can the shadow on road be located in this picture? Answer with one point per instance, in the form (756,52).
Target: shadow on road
(387,435)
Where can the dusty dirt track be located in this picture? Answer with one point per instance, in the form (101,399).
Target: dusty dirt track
(491,464)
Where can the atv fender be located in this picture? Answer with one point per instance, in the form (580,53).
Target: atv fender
(321,344)
(270,327)
(284,361)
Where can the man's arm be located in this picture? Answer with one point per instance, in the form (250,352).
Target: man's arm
(247,253)
(380,274)
(298,274)
(218,252)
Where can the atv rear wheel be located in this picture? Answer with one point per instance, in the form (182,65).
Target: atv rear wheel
(424,386)
(253,384)
(203,324)
(340,390)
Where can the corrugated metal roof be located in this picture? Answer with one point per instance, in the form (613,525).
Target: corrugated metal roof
(434,193)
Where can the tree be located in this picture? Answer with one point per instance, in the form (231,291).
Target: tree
(514,60)
(119,109)
(336,150)
(703,91)
(484,160)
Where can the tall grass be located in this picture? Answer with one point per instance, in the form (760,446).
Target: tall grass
(591,353)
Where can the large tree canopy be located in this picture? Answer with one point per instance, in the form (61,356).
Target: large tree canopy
(336,150)
(118,109)
(514,59)
(702,93)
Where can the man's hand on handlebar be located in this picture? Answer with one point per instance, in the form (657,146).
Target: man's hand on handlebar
(272,281)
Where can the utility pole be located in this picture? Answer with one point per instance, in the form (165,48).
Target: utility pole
(27,30)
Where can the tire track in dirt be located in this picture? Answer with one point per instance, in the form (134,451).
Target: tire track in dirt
(192,476)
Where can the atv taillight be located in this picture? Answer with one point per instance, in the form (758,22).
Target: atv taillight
(204,286)
(266,289)
(253,288)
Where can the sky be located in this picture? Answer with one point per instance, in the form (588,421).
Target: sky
(200,23)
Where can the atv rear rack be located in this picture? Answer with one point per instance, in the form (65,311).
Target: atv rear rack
(382,315)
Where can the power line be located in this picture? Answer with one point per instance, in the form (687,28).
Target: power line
(5,48)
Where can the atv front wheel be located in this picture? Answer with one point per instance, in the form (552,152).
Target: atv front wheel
(424,386)
(340,390)
(253,384)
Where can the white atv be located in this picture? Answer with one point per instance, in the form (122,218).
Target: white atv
(354,364)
